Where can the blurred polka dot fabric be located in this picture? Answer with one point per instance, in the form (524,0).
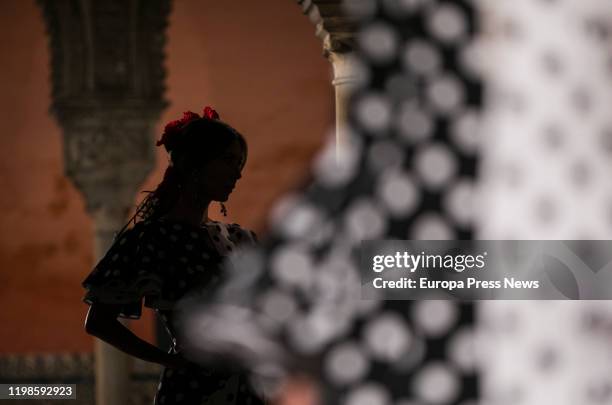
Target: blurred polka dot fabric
(407,172)
(545,175)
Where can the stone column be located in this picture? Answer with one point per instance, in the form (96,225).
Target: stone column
(546,164)
(111,367)
(336,30)
(107,92)
(344,81)
(108,155)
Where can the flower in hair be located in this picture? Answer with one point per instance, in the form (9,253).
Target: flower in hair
(210,113)
(173,128)
(189,116)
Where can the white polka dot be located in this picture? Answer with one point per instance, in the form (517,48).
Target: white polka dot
(385,154)
(413,124)
(359,9)
(363,220)
(436,383)
(465,131)
(398,192)
(379,42)
(369,306)
(346,364)
(278,305)
(459,201)
(302,220)
(115,257)
(334,277)
(445,93)
(373,112)
(447,22)
(421,57)
(387,337)
(335,166)
(368,394)
(435,164)
(461,349)
(431,226)
(247,262)
(435,317)
(414,357)
(292,266)
(400,87)
(308,334)
(474,58)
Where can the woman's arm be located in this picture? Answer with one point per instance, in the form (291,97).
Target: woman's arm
(102,323)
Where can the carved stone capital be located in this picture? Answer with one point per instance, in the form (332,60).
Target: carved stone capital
(333,26)
(107,91)
(345,72)
(106,50)
(108,155)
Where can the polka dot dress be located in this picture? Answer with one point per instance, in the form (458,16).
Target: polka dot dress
(406,171)
(159,262)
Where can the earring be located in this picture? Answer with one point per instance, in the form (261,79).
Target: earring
(223,209)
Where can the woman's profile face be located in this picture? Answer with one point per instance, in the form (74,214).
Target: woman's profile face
(219,176)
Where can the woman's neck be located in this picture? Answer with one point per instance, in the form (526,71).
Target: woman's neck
(187,210)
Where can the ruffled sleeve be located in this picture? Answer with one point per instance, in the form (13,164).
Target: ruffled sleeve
(241,236)
(129,271)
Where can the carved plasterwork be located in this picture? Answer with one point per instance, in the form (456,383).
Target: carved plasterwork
(333,26)
(107,78)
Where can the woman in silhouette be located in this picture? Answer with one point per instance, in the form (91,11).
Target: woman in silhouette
(174,249)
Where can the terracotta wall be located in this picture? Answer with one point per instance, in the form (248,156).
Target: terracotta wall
(260,67)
